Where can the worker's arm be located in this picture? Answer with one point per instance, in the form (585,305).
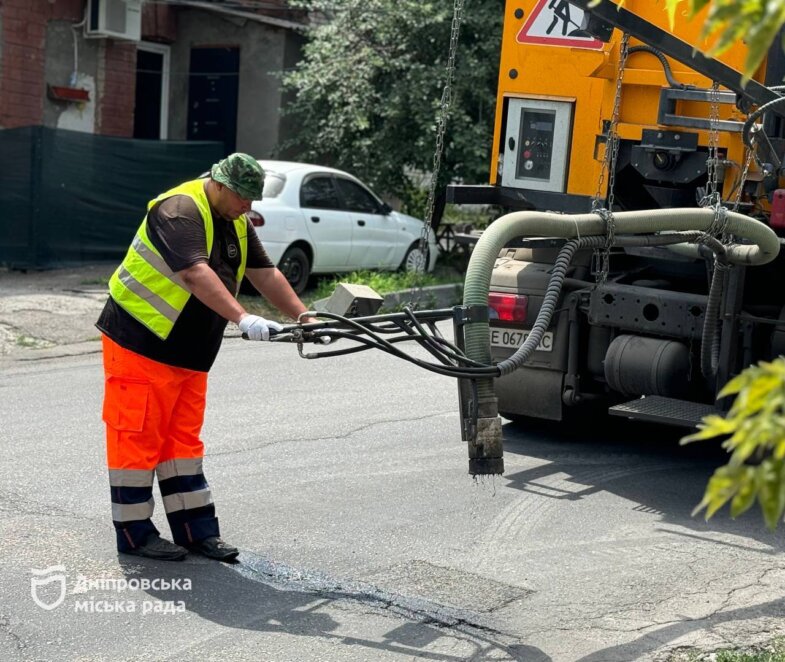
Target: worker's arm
(274,287)
(206,286)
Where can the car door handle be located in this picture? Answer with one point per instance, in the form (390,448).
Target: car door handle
(360,222)
(315,219)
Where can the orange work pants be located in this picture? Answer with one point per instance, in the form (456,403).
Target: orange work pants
(153,414)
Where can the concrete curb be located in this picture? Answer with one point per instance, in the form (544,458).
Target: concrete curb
(423,298)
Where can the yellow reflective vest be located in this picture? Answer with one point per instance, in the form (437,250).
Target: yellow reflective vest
(144,285)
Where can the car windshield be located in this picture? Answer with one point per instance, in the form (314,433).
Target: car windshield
(273,184)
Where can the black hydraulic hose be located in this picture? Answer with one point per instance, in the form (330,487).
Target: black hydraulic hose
(438,343)
(436,339)
(435,350)
(448,348)
(434,330)
(381,343)
(747,128)
(455,353)
(665,64)
(440,348)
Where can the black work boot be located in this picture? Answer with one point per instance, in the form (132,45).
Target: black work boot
(155,547)
(215,548)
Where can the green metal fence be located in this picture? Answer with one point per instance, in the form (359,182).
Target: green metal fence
(67,198)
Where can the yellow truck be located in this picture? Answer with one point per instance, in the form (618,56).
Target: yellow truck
(648,333)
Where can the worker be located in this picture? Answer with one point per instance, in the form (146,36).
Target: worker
(169,302)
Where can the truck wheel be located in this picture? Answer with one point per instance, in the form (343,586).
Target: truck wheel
(296,267)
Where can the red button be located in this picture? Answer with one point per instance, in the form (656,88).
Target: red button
(526,154)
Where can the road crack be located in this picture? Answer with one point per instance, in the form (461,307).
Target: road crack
(345,435)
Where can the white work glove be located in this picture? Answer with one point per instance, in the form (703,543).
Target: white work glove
(258,328)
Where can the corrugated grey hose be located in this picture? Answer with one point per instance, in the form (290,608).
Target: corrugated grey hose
(558,274)
(764,248)
(710,337)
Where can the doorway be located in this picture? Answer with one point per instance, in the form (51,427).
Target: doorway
(212,95)
(151,108)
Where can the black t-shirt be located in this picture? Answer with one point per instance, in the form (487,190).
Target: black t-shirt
(176,229)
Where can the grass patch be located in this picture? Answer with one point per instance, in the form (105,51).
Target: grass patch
(774,651)
(103,280)
(763,656)
(478,217)
(382,282)
(29,342)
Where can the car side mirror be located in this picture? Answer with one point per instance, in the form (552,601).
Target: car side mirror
(385,209)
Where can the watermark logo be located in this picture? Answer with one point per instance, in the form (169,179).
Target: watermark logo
(115,595)
(51,575)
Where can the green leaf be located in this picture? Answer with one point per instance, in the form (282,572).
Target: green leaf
(697,6)
(771,491)
(671,6)
(712,426)
(745,497)
(722,486)
(734,385)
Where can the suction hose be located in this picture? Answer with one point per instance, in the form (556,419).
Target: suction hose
(485,448)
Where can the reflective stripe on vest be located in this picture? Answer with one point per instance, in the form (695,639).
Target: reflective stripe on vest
(144,285)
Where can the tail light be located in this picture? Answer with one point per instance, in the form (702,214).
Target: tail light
(778,209)
(257,220)
(508,307)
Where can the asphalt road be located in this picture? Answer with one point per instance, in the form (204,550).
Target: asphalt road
(344,481)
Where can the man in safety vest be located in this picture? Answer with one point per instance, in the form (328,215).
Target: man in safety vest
(162,326)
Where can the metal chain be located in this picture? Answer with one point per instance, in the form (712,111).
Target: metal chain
(441,127)
(713,197)
(712,163)
(609,164)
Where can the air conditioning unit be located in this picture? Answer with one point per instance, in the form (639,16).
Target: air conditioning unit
(119,19)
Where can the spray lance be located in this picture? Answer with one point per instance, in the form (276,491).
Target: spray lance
(467,358)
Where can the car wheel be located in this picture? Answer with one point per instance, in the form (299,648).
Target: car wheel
(414,260)
(296,267)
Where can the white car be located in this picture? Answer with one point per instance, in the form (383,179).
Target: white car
(318,220)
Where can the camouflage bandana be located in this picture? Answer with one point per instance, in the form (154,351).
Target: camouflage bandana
(242,174)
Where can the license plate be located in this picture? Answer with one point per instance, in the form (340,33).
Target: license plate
(516,338)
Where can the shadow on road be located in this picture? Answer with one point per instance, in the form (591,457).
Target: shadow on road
(231,596)
(653,640)
(642,463)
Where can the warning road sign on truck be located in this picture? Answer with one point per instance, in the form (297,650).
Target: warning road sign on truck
(556,23)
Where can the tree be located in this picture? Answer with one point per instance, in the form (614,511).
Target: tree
(369,85)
